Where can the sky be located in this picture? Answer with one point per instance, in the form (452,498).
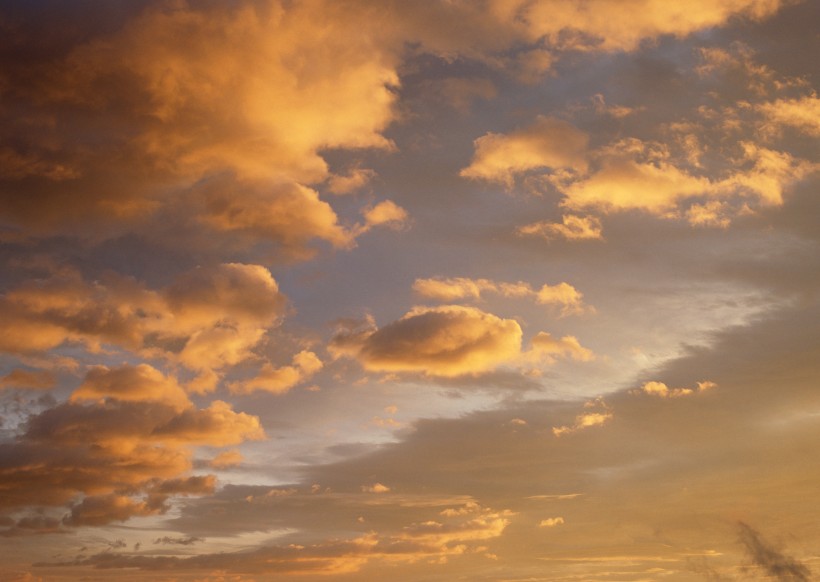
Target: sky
(342,290)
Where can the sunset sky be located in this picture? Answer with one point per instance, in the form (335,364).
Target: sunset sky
(440,290)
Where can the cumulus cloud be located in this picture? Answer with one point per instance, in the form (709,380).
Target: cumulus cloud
(661,390)
(803,114)
(279,380)
(447,341)
(562,295)
(450,341)
(208,318)
(548,143)
(546,346)
(571,227)
(123,442)
(140,383)
(551,522)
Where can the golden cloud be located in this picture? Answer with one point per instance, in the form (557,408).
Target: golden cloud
(279,380)
(571,227)
(443,341)
(548,143)
(208,318)
(562,295)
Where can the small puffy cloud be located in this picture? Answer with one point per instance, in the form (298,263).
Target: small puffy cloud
(452,288)
(571,227)
(802,114)
(386,213)
(446,341)
(661,390)
(548,143)
(544,346)
(28,379)
(562,295)
(375,488)
(355,179)
(588,419)
(710,214)
(280,380)
(551,522)
(766,174)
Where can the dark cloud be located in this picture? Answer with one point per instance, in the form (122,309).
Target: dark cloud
(769,559)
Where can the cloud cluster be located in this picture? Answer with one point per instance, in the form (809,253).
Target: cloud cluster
(213,116)
(571,227)
(446,341)
(661,390)
(207,319)
(449,289)
(454,532)
(449,341)
(122,445)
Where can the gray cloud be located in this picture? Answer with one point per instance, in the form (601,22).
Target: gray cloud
(772,561)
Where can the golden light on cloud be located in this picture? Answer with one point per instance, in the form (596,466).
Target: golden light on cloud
(445,290)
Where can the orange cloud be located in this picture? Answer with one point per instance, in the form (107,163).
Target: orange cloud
(661,390)
(440,341)
(32,380)
(208,318)
(571,227)
(279,380)
(562,295)
(548,143)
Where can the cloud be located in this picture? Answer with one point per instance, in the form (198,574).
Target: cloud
(212,117)
(551,522)
(183,541)
(375,488)
(803,114)
(773,562)
(562,295)
(354,180)
(548,143)
(447,341)
(226,459)
(28,379)
(605,25)
(140,383)
(289,214)
(571,227)
(385,213)
(279,380)
(207,319)
(123,442)
(459,533)
(582,422)
(661,390)
(545,346)
(103,509)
